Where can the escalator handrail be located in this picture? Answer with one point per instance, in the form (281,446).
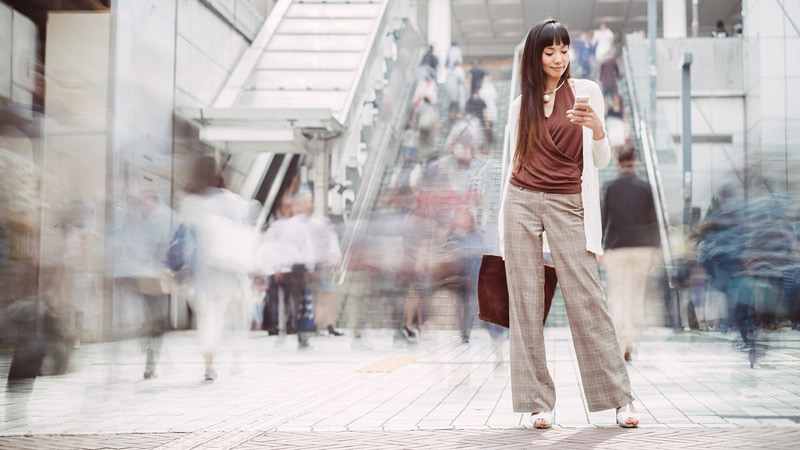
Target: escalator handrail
(653,171)
(372,173)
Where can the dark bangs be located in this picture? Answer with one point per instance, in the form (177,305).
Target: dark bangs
(553,33)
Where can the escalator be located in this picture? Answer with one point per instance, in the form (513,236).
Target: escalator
(653,145)
(306,101)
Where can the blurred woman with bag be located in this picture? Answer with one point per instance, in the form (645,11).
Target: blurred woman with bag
(225,254)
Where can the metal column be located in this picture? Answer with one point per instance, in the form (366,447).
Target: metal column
(319,146)
(686,139)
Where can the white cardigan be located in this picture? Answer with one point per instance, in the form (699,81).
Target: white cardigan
(596,155)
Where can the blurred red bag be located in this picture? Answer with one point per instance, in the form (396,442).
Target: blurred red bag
(493,290)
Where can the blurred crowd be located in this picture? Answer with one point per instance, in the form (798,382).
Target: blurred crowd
(435,215)
(743,273)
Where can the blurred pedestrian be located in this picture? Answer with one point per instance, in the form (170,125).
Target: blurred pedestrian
(615,124)
(455,87)
(427,124)
(488,93)
(554,188)
(719,31)
(630,241)
(219,220)
(464,246)
(609,74)
(276,255)
(454,56)
(585,64)
(475,77)
(153,227)
(603,42)
(298,234)
(325,243)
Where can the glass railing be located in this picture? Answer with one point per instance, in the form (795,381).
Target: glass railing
(392,108)
(662,165)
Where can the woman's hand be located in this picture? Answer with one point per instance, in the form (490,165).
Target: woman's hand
(584,115)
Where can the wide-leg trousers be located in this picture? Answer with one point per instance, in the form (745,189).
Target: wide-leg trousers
(605,379)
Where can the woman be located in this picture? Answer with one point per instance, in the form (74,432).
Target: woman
(553,187)
(215,215)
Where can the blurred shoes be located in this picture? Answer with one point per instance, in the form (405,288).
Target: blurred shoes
(211,374)
(150,371)
(410,333)
(76,344)
(332,331)
(542,420)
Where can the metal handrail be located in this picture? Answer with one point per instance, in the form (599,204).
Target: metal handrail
(376,37)
(653,170)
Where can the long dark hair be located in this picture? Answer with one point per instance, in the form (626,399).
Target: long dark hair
(532,83)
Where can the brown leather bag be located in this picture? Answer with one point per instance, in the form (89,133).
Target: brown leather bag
(493,290)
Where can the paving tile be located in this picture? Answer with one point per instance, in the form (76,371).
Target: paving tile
(447,388)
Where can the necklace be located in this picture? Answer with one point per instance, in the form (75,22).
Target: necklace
(547,94)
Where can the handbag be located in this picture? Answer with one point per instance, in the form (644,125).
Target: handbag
(493,290)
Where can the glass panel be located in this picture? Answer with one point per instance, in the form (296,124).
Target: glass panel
(299,80)
(292,99)
(316,26)
(328,43)
(309,60)
(332,11)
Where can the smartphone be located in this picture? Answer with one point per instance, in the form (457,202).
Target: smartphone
(580,99)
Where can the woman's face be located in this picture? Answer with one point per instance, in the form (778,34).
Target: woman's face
(555,59)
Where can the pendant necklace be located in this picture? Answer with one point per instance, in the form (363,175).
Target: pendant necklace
(547,94)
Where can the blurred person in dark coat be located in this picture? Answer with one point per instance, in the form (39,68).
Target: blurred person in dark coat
(630,241)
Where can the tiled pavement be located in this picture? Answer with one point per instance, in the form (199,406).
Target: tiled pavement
(692,389)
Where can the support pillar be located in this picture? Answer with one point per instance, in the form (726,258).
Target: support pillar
(674,12)
(439,32)
(319,146)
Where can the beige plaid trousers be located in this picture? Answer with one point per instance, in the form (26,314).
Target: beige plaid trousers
(603,373)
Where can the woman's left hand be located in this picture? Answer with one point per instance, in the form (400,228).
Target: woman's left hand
(585,116)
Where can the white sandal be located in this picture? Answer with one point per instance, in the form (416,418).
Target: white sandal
(627,418)
(542,420)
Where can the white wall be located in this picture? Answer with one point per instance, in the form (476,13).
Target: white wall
(772,46)
(206,53)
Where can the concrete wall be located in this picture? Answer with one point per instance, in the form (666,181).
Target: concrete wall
(718,112)
(207,49)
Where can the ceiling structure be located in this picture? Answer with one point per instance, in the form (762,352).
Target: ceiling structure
(493,27)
